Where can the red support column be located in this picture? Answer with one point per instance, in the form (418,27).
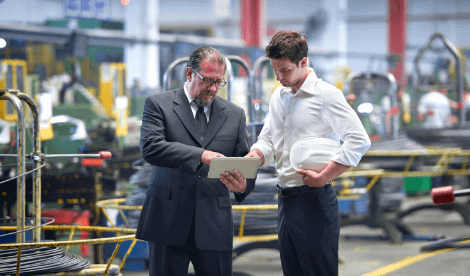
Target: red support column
(397,30)
(252,22)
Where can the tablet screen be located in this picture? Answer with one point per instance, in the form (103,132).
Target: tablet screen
(247,166)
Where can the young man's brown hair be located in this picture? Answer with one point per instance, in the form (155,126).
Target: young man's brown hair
(287,44)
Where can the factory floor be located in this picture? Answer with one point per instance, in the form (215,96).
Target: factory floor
(365,251)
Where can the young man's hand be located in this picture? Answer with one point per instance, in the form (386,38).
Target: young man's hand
(312,178)
(234,182)
(256,153)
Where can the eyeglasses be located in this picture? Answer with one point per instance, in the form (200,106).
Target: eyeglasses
(209,82)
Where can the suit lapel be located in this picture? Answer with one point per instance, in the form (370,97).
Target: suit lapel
(216,120)
(184,112)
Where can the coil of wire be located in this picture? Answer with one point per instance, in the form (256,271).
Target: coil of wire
(40,261)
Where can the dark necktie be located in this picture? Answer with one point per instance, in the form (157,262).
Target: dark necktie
(201,121)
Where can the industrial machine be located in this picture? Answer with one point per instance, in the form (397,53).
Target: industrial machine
(447,77)
(73,120)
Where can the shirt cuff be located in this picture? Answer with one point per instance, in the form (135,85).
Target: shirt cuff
(267,153)
(265,150)
(241,192)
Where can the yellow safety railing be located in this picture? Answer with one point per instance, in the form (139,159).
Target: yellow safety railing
(374,176)
(444,157)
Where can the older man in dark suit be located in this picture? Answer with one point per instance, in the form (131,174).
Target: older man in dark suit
(186,216)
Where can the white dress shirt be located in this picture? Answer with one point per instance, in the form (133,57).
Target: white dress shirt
(207,111)
(316,110)
(194,107)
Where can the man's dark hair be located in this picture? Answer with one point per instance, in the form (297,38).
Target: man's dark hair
(287,44)
(205,53)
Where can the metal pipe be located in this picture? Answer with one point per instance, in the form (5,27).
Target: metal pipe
(230,80)
(251,92)
(129,250)
(37,163)
(257,88)
(57,155)
(20,138)
(66,243)
(93,155)
(18,262)
(112,258)
(392,93)
(257,68)
(85,155)
(8,155)
(458,73)
(167,75)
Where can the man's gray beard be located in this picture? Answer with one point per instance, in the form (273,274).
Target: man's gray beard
(201,103)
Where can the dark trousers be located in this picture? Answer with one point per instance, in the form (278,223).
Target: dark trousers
(308,229)
(174,260)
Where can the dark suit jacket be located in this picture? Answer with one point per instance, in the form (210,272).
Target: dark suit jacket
(180,190)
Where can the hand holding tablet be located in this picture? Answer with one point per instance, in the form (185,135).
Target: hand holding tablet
(247,166)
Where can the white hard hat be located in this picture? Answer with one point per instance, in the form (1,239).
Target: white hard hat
(313,153)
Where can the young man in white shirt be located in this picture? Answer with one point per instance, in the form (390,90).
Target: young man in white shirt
(306,107)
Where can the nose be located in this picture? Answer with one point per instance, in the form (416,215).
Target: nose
(212,86)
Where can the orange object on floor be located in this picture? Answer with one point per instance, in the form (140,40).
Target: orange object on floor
(71,217)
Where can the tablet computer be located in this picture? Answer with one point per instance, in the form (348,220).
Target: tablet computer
(247,166)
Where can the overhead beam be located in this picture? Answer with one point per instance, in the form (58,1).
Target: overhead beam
(103,37)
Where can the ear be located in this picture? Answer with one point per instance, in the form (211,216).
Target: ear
(189,74)
(303,62)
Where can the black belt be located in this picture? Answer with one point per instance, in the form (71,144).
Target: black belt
(295,191)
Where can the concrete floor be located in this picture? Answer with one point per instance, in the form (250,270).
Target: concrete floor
(365,251)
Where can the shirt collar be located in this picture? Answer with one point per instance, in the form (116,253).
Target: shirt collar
(186,92)
(308,84)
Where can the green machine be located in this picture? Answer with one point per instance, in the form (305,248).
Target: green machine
(374,97)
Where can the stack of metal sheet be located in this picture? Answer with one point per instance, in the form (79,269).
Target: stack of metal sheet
(403,142)
(454,137)
(385,161)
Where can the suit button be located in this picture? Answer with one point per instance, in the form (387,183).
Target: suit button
(200,176)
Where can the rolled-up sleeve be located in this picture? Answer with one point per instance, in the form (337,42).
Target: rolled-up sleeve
(337,113)
(265,143)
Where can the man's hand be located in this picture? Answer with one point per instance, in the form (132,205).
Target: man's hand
(235,183)
(207,156)
(256,153)
(312,178)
